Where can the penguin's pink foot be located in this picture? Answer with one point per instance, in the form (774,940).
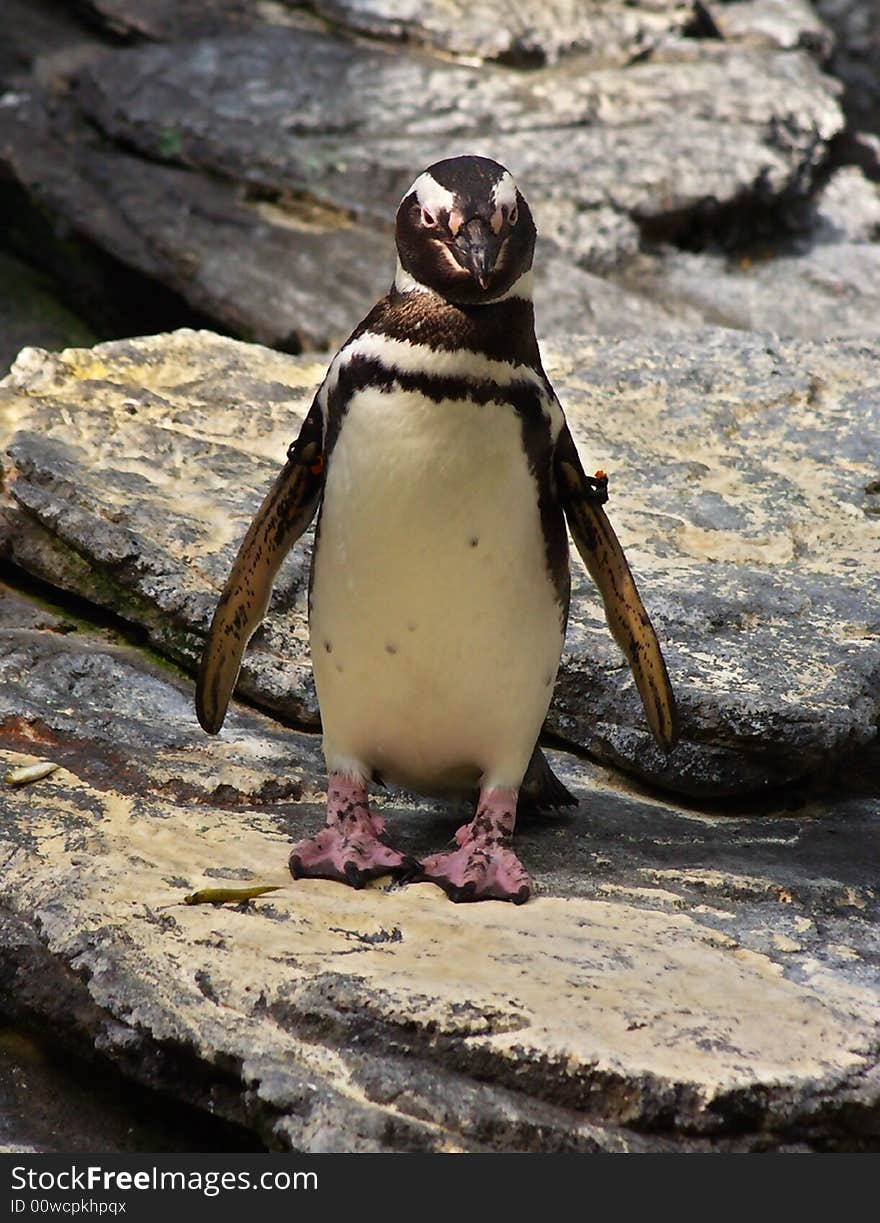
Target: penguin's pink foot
(484,867)
(351,849)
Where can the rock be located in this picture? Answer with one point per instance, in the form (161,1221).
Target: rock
(331,131)
(743,466)
(135,467)
(683,982)
(849,208)
(827,283)
(856,27)
(774,23)
(30,314)
(135,213)
(604,305)
(526,36)
(263,199)
(166,19)
(37,35)
(139,568)
(51,1101)
(57,672)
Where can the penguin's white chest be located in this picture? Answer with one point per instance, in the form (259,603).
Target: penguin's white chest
(436,630)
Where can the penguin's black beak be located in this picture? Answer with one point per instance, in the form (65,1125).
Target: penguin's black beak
(477,249)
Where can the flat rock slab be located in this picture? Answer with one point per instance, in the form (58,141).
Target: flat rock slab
(683,982)
(744,486)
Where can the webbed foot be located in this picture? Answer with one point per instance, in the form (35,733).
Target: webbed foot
(352,848)
(484,866)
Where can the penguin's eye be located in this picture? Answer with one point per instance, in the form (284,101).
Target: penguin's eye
(429,218)
(513,215)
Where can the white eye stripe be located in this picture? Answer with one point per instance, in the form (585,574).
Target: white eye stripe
(431,195)
(504,192)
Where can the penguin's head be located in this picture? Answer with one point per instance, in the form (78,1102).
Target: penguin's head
(464,230)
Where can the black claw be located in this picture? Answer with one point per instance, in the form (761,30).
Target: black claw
(410,871)
(466,893)
(354,876)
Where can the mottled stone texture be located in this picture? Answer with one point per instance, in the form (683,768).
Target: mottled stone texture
(522,34)
(251,171)
(743,485)
(682,982)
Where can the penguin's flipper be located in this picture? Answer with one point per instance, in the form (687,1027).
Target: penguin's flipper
(282,518)
(603,556)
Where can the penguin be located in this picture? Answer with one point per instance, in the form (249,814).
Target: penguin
(437,457)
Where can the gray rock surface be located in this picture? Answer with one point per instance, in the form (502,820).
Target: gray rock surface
(848,209)
(39,35)
(774,23)
(856,28)
(825,285)
(683,982)
(262,198)
(166,19)
(355,123)
(743,485)
(516,32)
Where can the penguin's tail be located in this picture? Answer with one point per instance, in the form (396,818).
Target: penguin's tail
(541,789)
